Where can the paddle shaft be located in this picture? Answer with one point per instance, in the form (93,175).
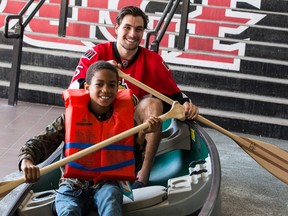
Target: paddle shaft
(170,101)
(173,113)
(145,87)
(261,152)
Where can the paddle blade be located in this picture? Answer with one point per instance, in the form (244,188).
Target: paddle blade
(7,186)
(178,111)
(270,157)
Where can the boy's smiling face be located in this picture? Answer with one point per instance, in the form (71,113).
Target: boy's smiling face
(103,90)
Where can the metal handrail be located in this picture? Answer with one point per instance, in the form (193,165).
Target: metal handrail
(17,46)
(63,18)
(20,18)
(159,32)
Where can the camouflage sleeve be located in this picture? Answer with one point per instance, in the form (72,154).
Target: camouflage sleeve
(40,147)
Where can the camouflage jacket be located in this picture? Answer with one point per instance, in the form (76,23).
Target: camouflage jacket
(40,147)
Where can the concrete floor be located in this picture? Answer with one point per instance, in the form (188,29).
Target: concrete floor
(247,188)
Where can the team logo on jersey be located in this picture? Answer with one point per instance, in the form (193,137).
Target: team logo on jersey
(89,54)
(125,63)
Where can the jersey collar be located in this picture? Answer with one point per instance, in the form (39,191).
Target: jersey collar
(118,57)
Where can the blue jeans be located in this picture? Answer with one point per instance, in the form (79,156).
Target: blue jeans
(107,200)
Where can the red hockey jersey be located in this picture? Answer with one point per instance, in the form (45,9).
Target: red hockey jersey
(146,66)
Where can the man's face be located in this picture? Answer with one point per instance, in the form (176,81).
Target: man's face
(102,90)
(130,32)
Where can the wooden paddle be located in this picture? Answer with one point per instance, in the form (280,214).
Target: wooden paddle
(176,111)
(270,157)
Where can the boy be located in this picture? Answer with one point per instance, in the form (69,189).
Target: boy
(100,106)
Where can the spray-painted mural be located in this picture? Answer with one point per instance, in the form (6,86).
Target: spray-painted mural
(210,21)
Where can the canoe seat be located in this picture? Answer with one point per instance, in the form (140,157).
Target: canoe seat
(174,153)
(175,135)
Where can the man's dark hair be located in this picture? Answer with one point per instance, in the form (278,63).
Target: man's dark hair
(97,66)
(134,11)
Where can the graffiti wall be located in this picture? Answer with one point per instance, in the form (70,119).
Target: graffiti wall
(221,34)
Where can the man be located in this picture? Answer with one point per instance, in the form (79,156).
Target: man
(144,65)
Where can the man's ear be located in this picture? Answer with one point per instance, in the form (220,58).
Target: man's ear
(116,29)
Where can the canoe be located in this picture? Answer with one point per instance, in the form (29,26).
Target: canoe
(185,179)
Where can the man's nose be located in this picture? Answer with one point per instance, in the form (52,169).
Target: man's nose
(132,32)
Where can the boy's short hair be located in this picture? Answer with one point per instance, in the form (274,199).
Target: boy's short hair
(97,66)
(134,11)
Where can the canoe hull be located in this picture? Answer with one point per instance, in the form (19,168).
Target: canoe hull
(185,180)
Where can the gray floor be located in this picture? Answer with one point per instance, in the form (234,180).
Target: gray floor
(247,188)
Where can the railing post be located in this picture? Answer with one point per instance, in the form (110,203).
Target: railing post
(63,18)
(169,11)
(16,62)
(183,25)
(17,47)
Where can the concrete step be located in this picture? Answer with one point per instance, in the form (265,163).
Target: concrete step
(259,125)
(203,96)
(42,57)
(248,123)
(207,88)
(50,77)
(34,93)
(237,102)
(231,81)
(184,75)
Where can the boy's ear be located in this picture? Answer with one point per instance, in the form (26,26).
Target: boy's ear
(86,86)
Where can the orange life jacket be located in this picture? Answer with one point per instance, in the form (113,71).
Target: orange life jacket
(82,129)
